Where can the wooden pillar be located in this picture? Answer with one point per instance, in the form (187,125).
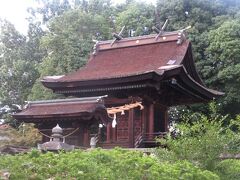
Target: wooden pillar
(151,119)
(143,120)
(166,119)
(109,132)
(131,128)
(161,118)
(86,141)
(114,131)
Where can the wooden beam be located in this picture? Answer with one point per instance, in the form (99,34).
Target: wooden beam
(162,29)
(154,28)
(117,36)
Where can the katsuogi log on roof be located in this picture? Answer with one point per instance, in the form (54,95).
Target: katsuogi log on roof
(132,65)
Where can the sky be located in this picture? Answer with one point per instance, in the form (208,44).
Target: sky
(15,11)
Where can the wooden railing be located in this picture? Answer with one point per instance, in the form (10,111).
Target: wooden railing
(138,140)
(148,137)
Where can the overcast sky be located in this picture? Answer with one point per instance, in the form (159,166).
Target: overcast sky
(15,11)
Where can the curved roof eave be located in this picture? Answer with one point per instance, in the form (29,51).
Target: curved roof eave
(190,83)
(163,73)
(63,108)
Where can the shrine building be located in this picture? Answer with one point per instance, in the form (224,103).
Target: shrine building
(123,93)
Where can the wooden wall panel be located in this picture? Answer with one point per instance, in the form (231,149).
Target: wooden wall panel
(122,127)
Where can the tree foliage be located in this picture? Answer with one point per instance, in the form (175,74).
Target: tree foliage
(24,135)
(208,20)
(18,72)
(222,68)
(202,142)
(98,164)
(68,44)
(138,19)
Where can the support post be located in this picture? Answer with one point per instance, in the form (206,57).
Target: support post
(144,119)
(166,120)
(86,141)
(114,131)
(109,132)
(151,120)
(130,128)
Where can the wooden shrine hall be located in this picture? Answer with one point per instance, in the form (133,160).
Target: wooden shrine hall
(123,93)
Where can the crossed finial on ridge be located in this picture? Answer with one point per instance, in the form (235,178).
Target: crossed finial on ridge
(160,31)
(118,36)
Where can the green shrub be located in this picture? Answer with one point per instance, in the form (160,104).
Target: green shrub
(229,169)
(201,142)
(25,135)
(98,164)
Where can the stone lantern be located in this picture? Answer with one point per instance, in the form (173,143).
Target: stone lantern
(57,133)
(56,142)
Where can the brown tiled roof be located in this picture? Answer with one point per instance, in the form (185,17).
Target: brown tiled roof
(129,62)
(57,109)
(129,59)
(60,108)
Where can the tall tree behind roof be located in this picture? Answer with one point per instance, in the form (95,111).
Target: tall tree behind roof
(203,16)
(138,18)
(17,70)
(69,43)
(50,9)
(222,68)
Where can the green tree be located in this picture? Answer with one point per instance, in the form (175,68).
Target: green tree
(138,19)
(69,43)
(49,9)
(222,68)
(18,73)
(203,16)
(201,142)
(199,14)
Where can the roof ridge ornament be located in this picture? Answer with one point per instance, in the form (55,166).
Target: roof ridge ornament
(118,36)
(182,35)
(95,47)
(160,31)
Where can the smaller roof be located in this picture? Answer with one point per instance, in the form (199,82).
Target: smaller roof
(77,108)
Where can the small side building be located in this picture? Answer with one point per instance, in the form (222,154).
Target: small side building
(158,72)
